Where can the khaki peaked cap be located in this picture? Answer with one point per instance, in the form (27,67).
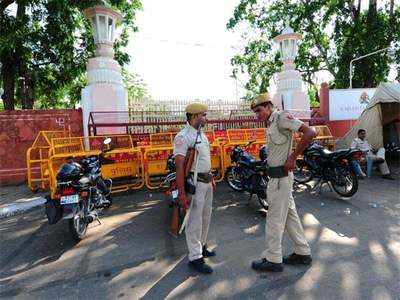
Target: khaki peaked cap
(196,108)
(260,99)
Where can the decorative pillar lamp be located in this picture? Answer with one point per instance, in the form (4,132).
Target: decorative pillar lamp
(105,90)
(290,96)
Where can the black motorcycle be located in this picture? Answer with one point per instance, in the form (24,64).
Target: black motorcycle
(248,174)
(81,192)
(329,167)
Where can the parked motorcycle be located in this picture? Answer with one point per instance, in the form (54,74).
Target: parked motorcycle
(248,174)
(81,192)
(328,167)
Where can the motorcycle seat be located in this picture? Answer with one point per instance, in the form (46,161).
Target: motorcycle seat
(336,153)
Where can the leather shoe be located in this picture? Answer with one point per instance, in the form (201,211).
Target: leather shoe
(297,259)
(265,265)
(387,176)
(200,266)
(208,253)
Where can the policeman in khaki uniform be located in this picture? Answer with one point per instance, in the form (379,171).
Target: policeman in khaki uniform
(282,213)
(201,202)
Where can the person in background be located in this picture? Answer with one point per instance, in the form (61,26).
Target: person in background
(362,144)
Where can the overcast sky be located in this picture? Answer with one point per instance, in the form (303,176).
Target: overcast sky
(183,49)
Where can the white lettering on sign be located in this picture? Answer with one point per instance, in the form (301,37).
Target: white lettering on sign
(348,104)
(60,121)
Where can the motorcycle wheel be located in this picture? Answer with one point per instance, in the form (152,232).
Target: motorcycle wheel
(349,185)
(234,180)
(302,172)
(78,226)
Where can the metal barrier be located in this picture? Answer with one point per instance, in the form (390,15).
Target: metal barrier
(155,165)
(162,139)
(133,167)
(124,164)
(217,162)
(37,158)
(324,137)
(241,137)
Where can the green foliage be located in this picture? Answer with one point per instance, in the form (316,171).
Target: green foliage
(45,47)
(313,95)
(136,88)
(333,33)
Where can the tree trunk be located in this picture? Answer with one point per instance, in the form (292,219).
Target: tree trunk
(24,82)
(8,72)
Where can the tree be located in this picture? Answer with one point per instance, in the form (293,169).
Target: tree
(45,46)
(333,33)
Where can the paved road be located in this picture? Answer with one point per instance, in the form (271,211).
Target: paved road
(131,255)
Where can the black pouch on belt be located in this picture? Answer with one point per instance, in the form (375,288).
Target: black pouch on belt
(277,172)
(190,188)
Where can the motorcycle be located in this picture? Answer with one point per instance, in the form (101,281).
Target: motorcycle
(80,194)
(248,174)
(329,167)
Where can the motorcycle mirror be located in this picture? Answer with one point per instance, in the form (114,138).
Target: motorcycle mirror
(107,141)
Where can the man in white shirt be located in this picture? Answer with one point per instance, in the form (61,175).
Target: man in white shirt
(362,144)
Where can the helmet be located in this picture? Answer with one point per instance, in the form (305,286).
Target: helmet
(237,152)
(69,172)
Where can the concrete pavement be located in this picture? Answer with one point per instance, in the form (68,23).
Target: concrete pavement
(355,244)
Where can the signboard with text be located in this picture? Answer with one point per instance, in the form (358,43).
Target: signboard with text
(348,104)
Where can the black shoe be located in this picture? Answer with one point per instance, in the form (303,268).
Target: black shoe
(200,266)
(208,253)
(387,176)
(265,265)
(297,259)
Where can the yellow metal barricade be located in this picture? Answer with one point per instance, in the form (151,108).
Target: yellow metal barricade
(37,159)
(126,169)
(155,162)
(242,137)
(217,162)
(161,139)
(324,136)
(124,164)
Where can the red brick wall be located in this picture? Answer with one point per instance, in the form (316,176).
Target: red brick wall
(340,128)
(18,130)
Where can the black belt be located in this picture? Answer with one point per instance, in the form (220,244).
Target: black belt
(204,177)
(277,172)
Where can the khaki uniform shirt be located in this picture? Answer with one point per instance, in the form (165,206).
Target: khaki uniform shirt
(280,127)
(185,139)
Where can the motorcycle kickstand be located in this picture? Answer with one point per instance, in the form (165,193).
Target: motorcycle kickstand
(97,218)
(318,186)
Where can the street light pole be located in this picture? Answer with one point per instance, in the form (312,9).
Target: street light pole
(361,57)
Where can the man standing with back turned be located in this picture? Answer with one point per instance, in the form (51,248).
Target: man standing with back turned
(282,214)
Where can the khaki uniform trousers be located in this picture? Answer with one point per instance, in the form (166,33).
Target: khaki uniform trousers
(281,216)
(197,226)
